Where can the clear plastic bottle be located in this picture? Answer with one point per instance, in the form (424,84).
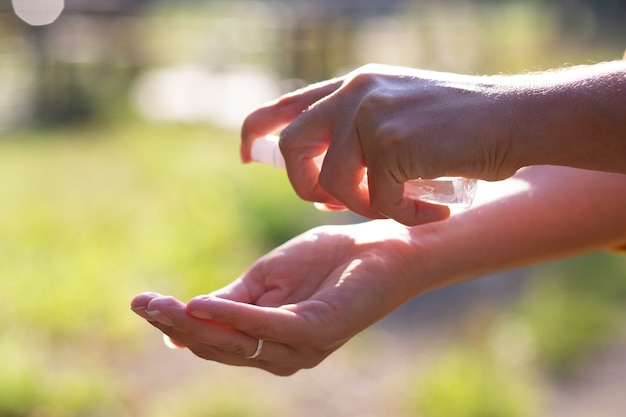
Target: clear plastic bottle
(449,191)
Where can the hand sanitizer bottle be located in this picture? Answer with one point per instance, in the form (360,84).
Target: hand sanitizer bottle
(449,191)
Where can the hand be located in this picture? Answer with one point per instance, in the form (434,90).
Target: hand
(400,123)
(312,294)
(403,124)
(304,299)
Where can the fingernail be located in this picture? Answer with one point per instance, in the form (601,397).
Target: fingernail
(141,312)
(200,314)
(156,315)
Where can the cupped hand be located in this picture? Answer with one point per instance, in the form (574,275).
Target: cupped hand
(398,124)
(304,299)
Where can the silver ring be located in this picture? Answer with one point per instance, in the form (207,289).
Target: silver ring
(257,352)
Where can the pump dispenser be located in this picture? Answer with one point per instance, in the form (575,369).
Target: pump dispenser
(449,191)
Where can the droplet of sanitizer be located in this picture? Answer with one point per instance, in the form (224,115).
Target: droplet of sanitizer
(38,12)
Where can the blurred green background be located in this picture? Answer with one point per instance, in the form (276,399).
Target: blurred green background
(119,173)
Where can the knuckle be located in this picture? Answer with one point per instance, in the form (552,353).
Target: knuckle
(364,79)
(235,348)
(306,192)
(287,139)
(327,180)
(289,105)
(389,145)
(377,101)
(372,69)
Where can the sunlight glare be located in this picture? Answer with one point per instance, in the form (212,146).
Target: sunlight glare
(38,12)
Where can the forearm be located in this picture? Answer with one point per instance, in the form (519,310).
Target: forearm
(549,213)
(573,117)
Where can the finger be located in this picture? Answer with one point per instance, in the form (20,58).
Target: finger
(160,317)
(302,144)
(246,289)
(343,174)
(273,357)
(279,113)
(238,290)
(386,195)
(296,336)
(195,343)
(139,303)
(268,323)
(170,316)
(303,174)
(218,342)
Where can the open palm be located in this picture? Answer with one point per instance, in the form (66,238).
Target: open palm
(304,299)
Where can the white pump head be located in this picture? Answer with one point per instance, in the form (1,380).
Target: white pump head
(266,151)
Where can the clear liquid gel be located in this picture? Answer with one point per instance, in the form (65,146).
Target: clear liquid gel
(449,191)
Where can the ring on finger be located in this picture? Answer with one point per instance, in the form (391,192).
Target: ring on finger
(257,352)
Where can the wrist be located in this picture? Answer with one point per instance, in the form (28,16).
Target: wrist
(404,251)
(571,117)
(440,256)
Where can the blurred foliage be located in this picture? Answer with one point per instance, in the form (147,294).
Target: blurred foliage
(37,380)
(568,310)
(460,382)
(193,401)
(574,307)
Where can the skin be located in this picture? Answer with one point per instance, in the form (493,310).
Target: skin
(402,123)
(306,298)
